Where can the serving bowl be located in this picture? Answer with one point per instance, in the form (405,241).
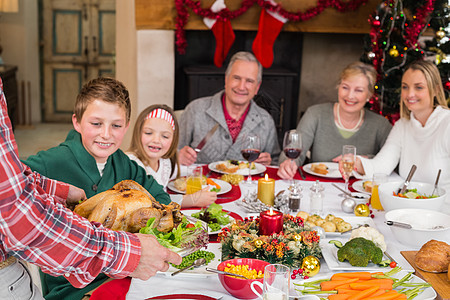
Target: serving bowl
(391,202)
(426,225)
(237,287)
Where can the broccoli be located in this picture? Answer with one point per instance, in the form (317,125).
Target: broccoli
(359,252)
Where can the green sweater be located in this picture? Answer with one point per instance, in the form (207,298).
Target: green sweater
(71,163)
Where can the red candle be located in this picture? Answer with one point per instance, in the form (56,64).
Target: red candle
(270,222)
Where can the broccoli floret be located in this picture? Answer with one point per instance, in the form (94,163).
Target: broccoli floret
(359,252)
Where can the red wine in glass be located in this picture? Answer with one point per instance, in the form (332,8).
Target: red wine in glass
(250,154)
(292,153)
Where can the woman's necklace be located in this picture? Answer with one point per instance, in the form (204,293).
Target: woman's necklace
(342,126)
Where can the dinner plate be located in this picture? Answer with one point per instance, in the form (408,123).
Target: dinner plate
(329,252)
(225,187)
(333,170)
(427,294)
(259,168)
(233,215)
(358,186)
(355,222)
(215,248)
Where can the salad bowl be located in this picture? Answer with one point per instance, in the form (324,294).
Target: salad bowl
(391,202)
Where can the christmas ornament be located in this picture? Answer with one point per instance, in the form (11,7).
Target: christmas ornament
(270,24)
(371,55)
(440,34)
(447,85)
(298,237)
(223,33)
(348,205)
(310,266)
(320,231)
(362,210)
(393,52)
(258,243)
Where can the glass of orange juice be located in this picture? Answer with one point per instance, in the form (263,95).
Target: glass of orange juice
(378,178)
(194,179)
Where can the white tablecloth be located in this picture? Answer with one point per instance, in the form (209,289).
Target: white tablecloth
(210,285)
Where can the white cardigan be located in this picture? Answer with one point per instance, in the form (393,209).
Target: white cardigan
(428,147)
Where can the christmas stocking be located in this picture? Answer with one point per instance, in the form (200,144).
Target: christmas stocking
(223,32)
(270,24)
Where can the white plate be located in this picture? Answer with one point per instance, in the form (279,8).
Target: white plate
(329,252)
(189,212)
(259,168)
(225,187)
(427,294)
(333,170)
(215,248)
(358,186)
(355,222)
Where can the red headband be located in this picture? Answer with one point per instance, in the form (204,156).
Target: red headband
(161,114)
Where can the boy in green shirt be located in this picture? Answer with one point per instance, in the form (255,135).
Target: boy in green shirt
(90,159)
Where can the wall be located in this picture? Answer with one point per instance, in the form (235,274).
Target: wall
(19,37)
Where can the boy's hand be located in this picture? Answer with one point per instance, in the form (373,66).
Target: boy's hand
(74,197)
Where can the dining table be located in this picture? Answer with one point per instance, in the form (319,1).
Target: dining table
(208,286)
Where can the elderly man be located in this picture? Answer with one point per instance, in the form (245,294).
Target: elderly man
(235,112)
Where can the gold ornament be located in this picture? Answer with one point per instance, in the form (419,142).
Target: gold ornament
(298,237)
(258,243)
(362,210)
(440,34)
(310,266)
(393,52)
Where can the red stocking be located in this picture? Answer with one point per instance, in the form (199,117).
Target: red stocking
(223,32)
(270,24)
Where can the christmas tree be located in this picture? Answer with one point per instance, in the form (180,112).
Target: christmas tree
(393,43)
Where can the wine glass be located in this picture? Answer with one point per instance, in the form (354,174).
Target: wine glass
(250,151)
(194,182)
(292,145)
(348,162)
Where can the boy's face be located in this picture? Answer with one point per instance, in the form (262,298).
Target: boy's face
(102,128)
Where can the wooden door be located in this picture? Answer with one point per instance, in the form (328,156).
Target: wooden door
(78,44)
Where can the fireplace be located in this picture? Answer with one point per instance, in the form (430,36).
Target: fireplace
(197,76)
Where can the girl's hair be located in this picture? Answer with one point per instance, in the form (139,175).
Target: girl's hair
(434,84)
(136,145)
(360,68)
(107,89)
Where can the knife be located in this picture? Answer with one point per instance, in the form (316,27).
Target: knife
(206,138)
(301,173)
(408,178)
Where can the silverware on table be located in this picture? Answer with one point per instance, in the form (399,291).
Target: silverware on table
(407,180)
(206,138)
(398,224)
(301,173)
(225,273)
(436,182)
(348,193)
(196,263)
(389,256)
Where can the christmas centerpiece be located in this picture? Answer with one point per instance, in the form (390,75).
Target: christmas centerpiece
(289,247)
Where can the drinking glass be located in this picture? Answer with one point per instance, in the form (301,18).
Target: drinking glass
(378,178)
(348,162)
(194,182)
(275,284)
(292,145)
(250,151)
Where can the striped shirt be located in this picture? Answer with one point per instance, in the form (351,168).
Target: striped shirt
(36,227)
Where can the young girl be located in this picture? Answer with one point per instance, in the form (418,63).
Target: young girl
(154,147)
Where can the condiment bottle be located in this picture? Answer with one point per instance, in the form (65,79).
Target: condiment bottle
(295,195)
(316,198)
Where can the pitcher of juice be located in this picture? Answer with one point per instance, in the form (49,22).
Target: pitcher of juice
(377,179)
(194,179)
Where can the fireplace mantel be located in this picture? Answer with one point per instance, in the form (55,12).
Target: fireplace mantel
(160,14)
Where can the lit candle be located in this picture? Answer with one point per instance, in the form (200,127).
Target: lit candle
(270,221)
(266,190)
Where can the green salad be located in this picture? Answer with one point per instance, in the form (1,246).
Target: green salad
(214,216)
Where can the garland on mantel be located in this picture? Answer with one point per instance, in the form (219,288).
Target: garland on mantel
(226,14)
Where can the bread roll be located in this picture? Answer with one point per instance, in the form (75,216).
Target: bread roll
(434,256)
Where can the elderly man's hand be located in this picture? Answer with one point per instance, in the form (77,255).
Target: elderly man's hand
(154,258)
(74,197)
(287,169)
(264,158)
(187,156)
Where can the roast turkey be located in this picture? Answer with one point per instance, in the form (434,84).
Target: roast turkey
(128,206)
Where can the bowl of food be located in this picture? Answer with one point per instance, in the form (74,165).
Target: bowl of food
(249,267)
(417,195)
(425,224)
